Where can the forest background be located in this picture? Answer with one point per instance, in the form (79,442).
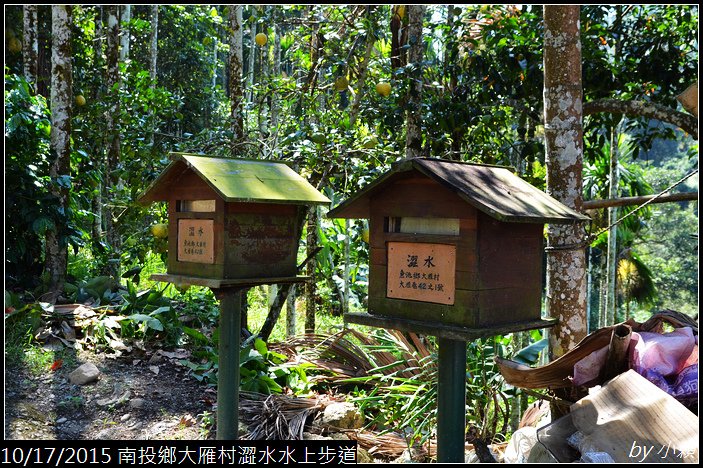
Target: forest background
(341,92)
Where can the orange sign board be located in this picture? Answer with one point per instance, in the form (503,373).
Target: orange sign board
(421,272)
(196,240)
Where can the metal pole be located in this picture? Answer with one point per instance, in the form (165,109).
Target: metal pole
(228,366)
(451,404)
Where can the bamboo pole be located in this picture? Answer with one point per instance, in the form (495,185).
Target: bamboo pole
(627,201)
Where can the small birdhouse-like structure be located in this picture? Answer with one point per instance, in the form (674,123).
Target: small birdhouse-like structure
(232,219)
(455,243)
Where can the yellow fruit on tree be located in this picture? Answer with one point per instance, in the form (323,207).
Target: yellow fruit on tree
(261,39)
(365,235)
(370,142)
(80,101)
(341,83)
(15,45)
(384,89)
(400,11)
(318,138)
(160,230)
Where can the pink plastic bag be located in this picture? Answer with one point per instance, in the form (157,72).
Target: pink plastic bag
(669,360)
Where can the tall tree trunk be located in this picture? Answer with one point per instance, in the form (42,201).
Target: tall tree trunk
(363,71)
(450,71)
(252,54)
(590,326)
(30,43)
(311,286)
(611,297)
(275,95)
(316,48)
(113,151)
(125,18)
(213,85)
(612,251)
(396,25)
(566,265)
(235,78)
(413,140)
(153,41)
(61,97)
(291,317)
(153,56)
(99,143)
(603,290)
(44,56)
(263,79)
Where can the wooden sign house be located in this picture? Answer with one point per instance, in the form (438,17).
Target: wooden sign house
(232,219)
(455,243)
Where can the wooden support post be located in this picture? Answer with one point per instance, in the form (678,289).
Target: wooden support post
(451,404)
(228,365)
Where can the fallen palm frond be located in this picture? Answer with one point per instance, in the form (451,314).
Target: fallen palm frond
(559,373)
(276,417)
(334,353)
(388,445)
(392,445)
(394,375)
(388,353)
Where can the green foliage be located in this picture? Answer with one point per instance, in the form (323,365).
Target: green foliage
(401,394)
(331,259)
(265,371)
(261,370)
(631,183)
(482,102)
(30,208)
(627,55)
(21,323)
(670,249)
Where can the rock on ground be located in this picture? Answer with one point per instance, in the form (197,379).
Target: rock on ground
(85,374)
(342,415)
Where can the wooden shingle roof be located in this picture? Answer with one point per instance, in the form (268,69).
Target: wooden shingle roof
(237,180)
(495,190)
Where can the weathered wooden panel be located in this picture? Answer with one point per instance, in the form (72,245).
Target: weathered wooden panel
(440,330)
(417,198)
(261,208)
(510,254)
(429,312)
(214,269)
(191,187)
(261,240)
(497,306)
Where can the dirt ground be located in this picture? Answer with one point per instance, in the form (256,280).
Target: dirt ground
(144,398)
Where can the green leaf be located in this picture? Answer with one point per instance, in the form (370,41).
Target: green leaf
(193,333)
(530,354)
(42,225)
(132,271)
(160,310)
(151,322)
(261,347)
